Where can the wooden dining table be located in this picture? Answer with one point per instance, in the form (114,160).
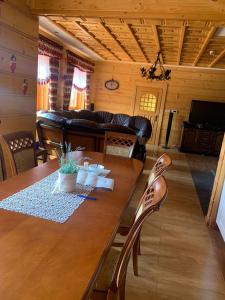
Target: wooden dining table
(45,260)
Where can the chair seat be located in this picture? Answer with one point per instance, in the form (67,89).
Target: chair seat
(106,275)
(127,220)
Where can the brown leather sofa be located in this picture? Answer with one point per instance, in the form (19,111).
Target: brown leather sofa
(86,129)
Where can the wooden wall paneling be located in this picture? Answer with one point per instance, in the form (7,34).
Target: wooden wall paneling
(20,44)
(186,84)
(17,122)
(18,37)
(25,24)
(13,85)
(25,65)
(13,104)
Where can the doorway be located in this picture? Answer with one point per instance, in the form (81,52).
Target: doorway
(149,103)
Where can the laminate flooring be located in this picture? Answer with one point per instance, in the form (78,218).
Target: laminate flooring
(179,260)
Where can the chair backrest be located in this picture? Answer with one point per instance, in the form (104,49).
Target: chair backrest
(21,149)
(51,137)
(161,165)
(2,166)
(150,202)
(120,144)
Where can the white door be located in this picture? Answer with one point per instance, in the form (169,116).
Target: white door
(220,219)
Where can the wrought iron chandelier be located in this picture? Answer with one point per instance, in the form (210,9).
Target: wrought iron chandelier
(156,71)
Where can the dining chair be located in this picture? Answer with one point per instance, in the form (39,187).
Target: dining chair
(2,166)
(120,144)
(110,283)
(160,166)
(21,150)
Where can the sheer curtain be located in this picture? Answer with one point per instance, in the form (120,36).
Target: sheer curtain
(78,92)
(43,82)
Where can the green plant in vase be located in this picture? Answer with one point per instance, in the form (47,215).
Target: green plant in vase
(68,171)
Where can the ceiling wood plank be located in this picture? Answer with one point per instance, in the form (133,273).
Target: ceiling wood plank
(156,38)
(222,53)
(181,40)
(96,39)
(118,42)
(174,9)
(137,42)
(204,45)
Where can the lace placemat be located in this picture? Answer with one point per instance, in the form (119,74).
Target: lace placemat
(37,200)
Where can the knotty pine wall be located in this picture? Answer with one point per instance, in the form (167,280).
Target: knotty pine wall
(18,37)
(186,84)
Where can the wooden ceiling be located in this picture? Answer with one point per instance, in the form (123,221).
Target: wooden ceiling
(186,35)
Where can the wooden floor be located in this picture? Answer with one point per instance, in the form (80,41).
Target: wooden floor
(178,258)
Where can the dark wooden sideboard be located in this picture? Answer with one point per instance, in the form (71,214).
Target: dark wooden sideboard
(203,141)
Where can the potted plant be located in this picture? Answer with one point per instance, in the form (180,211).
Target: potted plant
(67,172)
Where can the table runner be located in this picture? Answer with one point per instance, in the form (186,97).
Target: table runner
(37,200)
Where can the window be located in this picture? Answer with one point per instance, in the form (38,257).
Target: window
(43,82)
(78,91)
(148,103)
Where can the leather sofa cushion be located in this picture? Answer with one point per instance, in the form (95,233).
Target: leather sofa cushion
(104,116)
(69,114)
(142,126)
(51,118)
(82,125)
(115,127)
(87,115)
(121,119)
(99,121)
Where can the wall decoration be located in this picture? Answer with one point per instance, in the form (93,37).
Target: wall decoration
(12,64)
(112,84)
(25,86)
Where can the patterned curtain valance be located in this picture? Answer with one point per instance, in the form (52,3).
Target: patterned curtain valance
(49,48)
(79,62)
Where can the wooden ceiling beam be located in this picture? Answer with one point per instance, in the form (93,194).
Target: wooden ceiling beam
(204,45)
(129,26)
(117,42)
(181,40)
(156,38)
(222,53)
(194,10)
(96,39)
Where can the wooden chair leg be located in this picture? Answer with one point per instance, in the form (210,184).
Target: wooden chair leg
(45,156)
(99,295)
(139,243)
(135,257)
(117,244)
(122,288)
(111,295)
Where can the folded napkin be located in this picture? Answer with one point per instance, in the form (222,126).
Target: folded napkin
(102,172)
(91,179)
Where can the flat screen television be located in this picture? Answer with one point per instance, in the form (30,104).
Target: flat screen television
(207,113)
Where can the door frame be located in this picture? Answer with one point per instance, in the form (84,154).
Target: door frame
(217,189)
(158,85)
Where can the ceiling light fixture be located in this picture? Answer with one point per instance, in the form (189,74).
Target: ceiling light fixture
(156,71)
